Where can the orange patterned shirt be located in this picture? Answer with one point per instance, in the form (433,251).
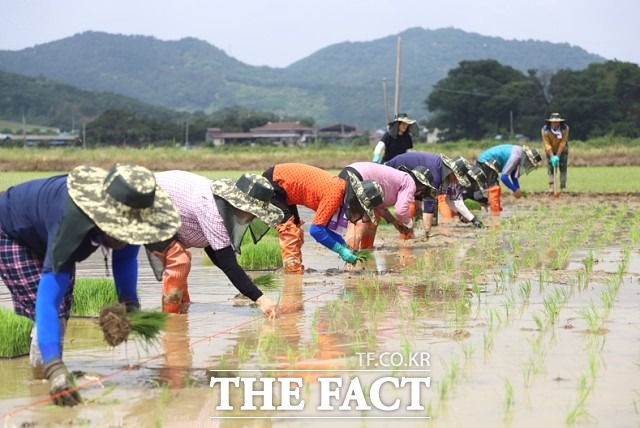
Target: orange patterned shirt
(311,187)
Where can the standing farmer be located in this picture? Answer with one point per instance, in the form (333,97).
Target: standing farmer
(397,139)
(48,225)
(555,136)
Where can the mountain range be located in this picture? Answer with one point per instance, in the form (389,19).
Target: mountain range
(341,83)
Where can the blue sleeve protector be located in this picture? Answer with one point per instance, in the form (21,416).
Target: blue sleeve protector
(51,290)
(125,273)
(507,182)
(325,236)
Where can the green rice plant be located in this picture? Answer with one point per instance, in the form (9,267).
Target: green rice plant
(264,281)
(524,291)
(363,256)
(507,410)
(265,254)
(578,411)
(15,334)
(90,295)
(592,317)
(487,343)
(147,324)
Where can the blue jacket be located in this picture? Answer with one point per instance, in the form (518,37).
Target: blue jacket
(413,159)
(32,213)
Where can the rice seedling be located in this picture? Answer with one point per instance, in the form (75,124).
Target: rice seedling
(507,410)
(264,281)
(117,324)
(90,295)
(592,317)
(578,411)
(363,256)
(265,254)
(15,334)
(524,291)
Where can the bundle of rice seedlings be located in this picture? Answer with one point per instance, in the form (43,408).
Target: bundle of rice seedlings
(15,334)
(264,281)
(91,294)
(363,256)
(117,324)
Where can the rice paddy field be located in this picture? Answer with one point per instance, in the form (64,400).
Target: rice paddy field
(531,321)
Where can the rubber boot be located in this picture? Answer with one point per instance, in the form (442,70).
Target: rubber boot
(361,235)
(177,265)
(412,213)
(494,199)
(551,183)
(444,212)
(291,239)
(563,180)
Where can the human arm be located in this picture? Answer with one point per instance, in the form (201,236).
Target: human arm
(125,276)
(377,152)
(332,241)
(225,259)
(51,290)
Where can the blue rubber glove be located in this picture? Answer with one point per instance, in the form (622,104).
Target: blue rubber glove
(345,253)
(555,159)
(376,157)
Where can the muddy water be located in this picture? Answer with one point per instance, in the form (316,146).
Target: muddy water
(489,361)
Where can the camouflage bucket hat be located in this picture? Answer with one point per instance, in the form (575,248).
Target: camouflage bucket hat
(533,155)
(477,174)
(422,175)
(368,192)
(459,168)
(124,202)
(494,165)
(251,193)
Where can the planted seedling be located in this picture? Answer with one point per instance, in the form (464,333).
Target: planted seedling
(117,324)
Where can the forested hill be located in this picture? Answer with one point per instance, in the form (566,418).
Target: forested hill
(340,83)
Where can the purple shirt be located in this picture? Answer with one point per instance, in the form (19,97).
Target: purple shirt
(398,187)
(202,225)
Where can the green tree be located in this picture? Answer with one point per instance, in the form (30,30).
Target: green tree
(472,101)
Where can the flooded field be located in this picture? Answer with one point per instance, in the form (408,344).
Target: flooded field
(532,321)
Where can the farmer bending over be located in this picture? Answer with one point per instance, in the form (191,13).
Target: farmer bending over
(215,216)
(48,225)
(335,201)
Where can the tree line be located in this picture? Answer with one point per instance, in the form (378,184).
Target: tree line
(480,99)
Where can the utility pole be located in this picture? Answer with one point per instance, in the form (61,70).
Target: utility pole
(386,99)
(24,131)
(186,136)
(397,105)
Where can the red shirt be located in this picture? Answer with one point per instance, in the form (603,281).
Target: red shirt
(311,187)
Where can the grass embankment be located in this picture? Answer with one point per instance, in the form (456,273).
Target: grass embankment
(18,165)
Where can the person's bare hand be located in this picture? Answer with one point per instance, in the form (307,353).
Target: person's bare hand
(517,194)
(268,307)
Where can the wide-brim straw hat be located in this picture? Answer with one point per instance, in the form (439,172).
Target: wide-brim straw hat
(124,202)
(402,117)
(250,193)
(555,117)
(368,192)
(458,166)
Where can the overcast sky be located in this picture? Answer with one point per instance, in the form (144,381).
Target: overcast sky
(280,32)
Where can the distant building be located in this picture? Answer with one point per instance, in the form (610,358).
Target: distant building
(284,133)
(218,138)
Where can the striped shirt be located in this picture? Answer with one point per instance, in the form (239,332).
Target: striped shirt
(202,225)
